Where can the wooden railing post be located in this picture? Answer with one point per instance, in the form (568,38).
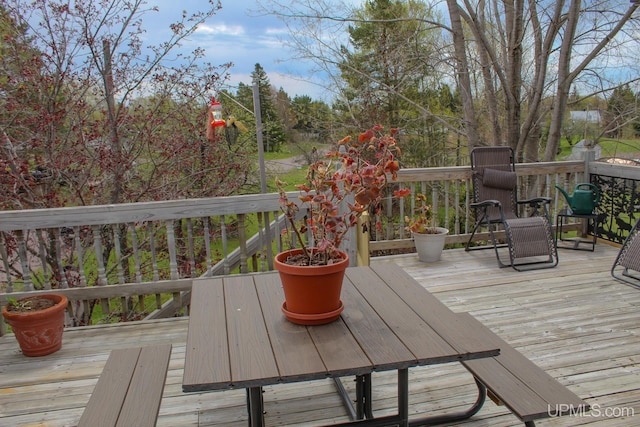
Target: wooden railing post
(362,240)
(589,156)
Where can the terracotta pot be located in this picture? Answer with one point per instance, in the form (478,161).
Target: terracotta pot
(312,293)
(39,332)
(430,245)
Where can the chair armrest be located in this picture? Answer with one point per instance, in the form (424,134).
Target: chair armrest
(539,206)
(486,204)
(535,202)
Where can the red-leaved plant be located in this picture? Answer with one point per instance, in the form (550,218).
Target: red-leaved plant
(423,221)
(360,167)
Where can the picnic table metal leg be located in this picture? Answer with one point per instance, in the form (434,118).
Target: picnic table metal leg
(255,407)
(346,400)
(458,416)
(363,396)
(363,405)
(403,396)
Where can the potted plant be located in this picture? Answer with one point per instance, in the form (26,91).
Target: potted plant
(428,238)
(312,271)
(37,322)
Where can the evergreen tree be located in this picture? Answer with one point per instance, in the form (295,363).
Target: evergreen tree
(312,118)
(621,110)
(388,74)
(273,130)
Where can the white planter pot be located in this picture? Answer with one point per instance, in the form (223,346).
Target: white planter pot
(430,245)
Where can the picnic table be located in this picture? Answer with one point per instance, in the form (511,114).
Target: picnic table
(239,338)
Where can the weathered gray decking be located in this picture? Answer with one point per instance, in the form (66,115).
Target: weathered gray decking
(575,321)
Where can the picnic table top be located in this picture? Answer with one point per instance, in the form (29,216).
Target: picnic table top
(238,336)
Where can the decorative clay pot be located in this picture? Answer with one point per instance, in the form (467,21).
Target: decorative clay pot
(430,245)
(38,332)
(312,293)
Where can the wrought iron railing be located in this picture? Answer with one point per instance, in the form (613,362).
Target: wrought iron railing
(619,206)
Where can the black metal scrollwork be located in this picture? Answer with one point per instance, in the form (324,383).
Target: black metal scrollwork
(619,206)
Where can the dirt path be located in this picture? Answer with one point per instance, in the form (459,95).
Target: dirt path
(280,166)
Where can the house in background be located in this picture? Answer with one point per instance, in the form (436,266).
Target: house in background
(589,116)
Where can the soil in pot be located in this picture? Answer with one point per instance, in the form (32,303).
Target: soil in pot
(30,305)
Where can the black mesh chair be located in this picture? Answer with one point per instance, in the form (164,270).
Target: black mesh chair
(528,240)
(626,266)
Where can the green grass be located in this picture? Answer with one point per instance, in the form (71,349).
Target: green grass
(284,154)
(610,147)
(292,178)
(295,176)
(614,147)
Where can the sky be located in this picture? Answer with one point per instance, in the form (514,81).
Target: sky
(239,34)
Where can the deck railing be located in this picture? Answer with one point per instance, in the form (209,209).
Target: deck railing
(450,191)
(137,260)
(102,253)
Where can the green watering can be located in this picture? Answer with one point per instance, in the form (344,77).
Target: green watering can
(584,199)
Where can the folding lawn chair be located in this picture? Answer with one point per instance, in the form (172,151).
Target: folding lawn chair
(529,240)
(626,266)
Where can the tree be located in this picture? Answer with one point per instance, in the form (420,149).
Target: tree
(92,116)
(557,34)
(384,70)
(273,128)
(312,118)
(622,111)
(373,66)
(513,63)
(20,79)
(117,121)
(390,76)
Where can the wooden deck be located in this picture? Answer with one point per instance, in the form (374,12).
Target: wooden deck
(574,321)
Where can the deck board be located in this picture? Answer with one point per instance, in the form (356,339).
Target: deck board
(574,321)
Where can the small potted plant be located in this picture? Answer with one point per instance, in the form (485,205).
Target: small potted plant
(37,322)
(428,238)
(360,167)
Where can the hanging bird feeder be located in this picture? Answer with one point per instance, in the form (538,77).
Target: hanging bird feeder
(216,113)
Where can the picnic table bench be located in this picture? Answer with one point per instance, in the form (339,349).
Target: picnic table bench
(518,383)
(129,390)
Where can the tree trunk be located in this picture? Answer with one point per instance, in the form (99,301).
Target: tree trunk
(462,71)
(564,82)
(115,143)
(487,75)
(530,133)
(514,22)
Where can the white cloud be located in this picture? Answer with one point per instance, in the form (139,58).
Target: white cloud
(270,43)
(276,31)
(295,85)
(229,30)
